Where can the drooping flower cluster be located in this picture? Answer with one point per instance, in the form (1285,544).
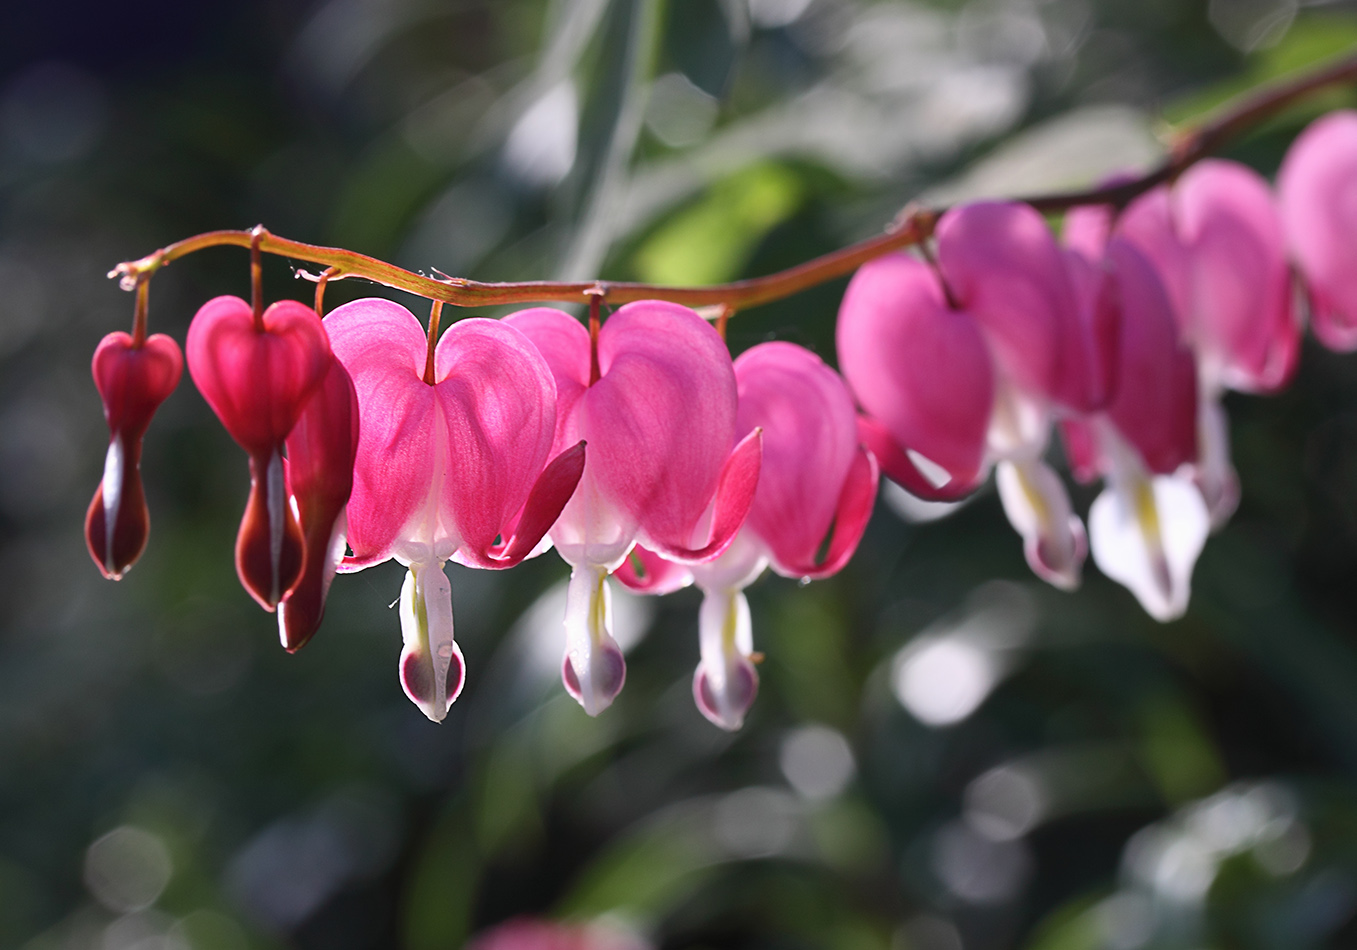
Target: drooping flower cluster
(637,447)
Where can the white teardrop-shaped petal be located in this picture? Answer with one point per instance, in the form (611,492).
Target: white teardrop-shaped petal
(431,664)
(1039,509)
(1214,472)
(725,682)
(1146,534)
(112,494)
(593,669)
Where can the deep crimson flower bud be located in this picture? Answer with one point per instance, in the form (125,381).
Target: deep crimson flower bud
(132,381)
(257,379)
(320,454)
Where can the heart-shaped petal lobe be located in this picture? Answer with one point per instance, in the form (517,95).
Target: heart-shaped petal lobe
(257,382)
(922,372)
(1317,190)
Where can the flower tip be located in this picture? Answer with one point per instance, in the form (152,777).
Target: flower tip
(597,685)
(420,679)
(727,705)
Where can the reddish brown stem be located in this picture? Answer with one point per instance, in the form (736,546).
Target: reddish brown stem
(911,227)
(257,277)
(139,310)
(595,301)
(435,315)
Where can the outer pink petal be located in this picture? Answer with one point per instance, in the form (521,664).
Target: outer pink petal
(646,572)
(321,450)
(1148,222)
(1090,356)
(564,344)
(660,423)
(544,505)
(383,347)
(1317,185)
(809,443)
(1156,403)
(257,383)
(499,406)
(921,371)
(1241,302)
(1003,265)
(854,510)
(730,504)
(1081,449)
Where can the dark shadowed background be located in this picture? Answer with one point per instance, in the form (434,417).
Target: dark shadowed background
(946,754)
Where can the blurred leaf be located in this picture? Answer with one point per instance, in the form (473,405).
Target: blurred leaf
(710,241)
(644,874)
(1177,752)
(1313,38)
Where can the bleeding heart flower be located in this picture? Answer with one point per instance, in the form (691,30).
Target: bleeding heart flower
(664,469)
(816,489)
(1150,523)
(320,456)
(921,372)
(456,468)
(257,376)
(1317,188)
(132,381)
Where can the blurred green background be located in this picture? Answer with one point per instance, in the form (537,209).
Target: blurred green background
(946,755)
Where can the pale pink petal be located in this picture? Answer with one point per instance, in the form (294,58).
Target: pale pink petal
(922,373)
(1317,187)
(1039,509)
(1148,223)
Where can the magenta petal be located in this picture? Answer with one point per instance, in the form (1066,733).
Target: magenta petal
(499,405)
(646,572)
(564,344)
(1242,299)
(549,495)
(1003,266)
(809,443)
(321,450)
(1156,403)
(854,510)
(257,382)
(382,346)
(730,505)
(922,372)
(1317,187)
(1081,449)
(661,420)
(132,382)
